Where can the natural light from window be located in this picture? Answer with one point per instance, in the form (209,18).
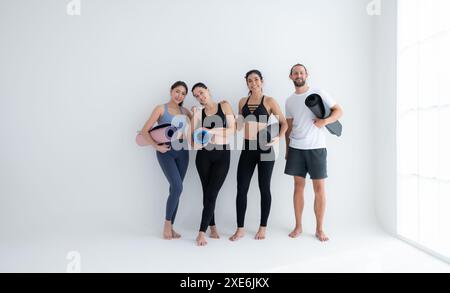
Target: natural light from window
(424,124)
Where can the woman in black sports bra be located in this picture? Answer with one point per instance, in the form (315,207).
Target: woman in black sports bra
(213,159)
(257,150)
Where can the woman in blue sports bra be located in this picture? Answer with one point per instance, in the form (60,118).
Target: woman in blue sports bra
(174,157)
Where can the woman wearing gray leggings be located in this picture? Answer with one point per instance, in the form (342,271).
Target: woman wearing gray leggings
(174,157)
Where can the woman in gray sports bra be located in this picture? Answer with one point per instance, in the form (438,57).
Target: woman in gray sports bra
(174,157)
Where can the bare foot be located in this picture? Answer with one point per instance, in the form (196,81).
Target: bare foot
(214,234)
(167,233)
(240,232)
(321,236)
(175,235)
(296,232)
(261,234)
(201,240)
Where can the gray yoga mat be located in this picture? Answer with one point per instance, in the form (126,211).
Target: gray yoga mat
(315,103)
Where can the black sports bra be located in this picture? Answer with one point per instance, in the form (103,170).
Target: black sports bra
(259,111)
(212,119)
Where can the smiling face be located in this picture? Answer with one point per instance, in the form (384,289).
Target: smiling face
(299,75)
(202,95)
(178,94)
(254,83)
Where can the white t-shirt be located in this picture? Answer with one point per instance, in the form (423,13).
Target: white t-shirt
(305,135)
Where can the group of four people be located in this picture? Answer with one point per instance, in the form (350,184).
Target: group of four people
(305,149)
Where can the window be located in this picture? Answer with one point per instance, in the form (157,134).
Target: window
(423,126)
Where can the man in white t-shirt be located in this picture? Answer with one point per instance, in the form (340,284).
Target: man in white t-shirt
(306,148)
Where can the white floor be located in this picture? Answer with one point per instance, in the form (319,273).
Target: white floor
(368,251)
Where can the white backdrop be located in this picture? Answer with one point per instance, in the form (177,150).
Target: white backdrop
(74,90)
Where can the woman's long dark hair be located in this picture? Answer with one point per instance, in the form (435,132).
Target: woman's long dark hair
(177,84)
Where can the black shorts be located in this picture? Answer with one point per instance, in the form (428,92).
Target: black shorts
(301,162)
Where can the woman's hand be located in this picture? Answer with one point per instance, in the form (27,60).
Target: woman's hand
(215,131)
(196,110)
(274,141)
(163,148)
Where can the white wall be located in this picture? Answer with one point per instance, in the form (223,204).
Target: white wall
(386,116)
(74,90)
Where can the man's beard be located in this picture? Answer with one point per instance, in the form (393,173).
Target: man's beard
(299,83)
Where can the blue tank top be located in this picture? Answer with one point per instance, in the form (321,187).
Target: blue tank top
(175,120)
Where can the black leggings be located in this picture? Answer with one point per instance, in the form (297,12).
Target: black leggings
(212,166)
(247,163)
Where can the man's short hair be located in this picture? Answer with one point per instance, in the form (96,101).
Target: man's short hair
(298,64)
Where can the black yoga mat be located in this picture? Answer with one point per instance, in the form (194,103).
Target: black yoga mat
(315,103)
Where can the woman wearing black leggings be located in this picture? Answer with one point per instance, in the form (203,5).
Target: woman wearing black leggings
(257,151)
(213,158)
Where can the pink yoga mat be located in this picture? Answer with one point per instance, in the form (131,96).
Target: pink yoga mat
(162,134)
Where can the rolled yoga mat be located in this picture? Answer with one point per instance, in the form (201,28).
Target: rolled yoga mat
(202,136)
(271,131)
(315,103)
(161,134)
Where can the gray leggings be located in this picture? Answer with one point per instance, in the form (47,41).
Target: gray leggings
(174,165)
